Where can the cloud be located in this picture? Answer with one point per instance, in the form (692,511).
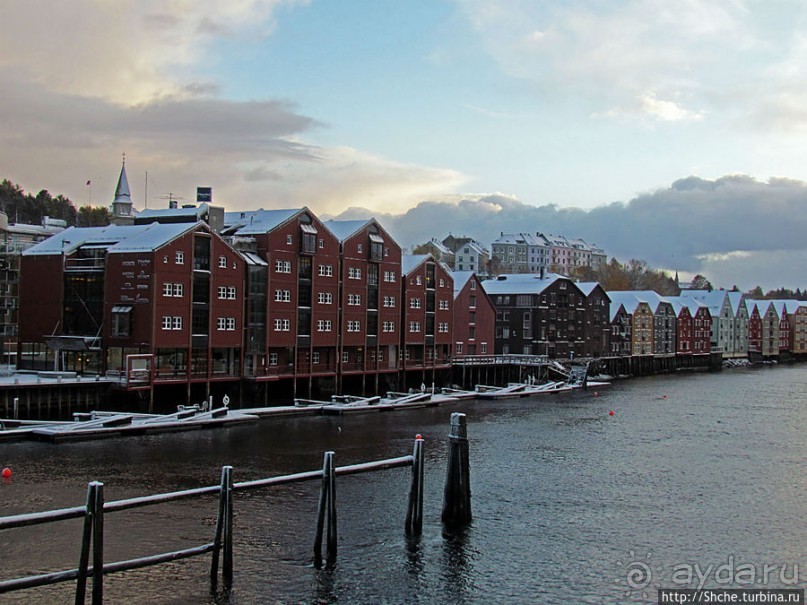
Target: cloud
(735,229)
(655,59)
(129,81)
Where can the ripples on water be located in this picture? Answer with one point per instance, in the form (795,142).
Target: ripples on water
(689,470)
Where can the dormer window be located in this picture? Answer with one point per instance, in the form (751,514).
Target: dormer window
(308,241)
(376,247)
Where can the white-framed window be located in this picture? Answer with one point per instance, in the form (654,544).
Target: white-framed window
(414,303)
(359,248)
(389,276)
(442,327)
(168,289)
(222,292)
(321,244)
(388,326)
(414,326)
(354,300)
(459,348)
(272,359)
(282,266)
(354,273)
(442,282)
(166,322)
(221,323)
(179,258)
(282,325)
(315,354)
(345,357)
(473,284)
(324,325)
(419,280)
(282,295)
(231,324)
(176,323)
(230,292)
(289,239)
(325,298)
(380,355)
(179,290)
(326,270)
(389,301)
(386,253)
(222,262)
(443,305)
(353,325)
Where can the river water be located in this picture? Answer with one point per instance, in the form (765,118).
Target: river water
(692,475)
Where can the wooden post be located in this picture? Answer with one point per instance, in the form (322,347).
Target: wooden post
(227,563)
(414,511)
(221,522)
(457,494)
(84,556)
(98,544)
(327,505)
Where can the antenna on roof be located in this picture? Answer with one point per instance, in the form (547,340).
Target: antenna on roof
(172,200)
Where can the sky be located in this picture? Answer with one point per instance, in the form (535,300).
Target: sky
(667,130)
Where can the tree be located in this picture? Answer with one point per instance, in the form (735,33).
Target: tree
(756,293)
(89,216)
(699,282)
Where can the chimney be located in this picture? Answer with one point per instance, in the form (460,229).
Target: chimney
(543,272)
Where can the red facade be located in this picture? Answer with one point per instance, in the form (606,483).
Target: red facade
(683,338)
(474,319)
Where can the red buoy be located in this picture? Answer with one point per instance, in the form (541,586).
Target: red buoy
(6,473)
(611,413)
(596,393)
(418,436)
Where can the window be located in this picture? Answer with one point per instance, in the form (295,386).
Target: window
(472,302)
(325,298)
(315,354)
(282,295)
(389,301)
(166,322)
(353,326)
(388,326)
(222,292)
(459,348)
(222,262)
(282,325)
(179,258)
(179,290)
(442,282)
(443,305)
(354,273)
(389,276)
(414,326)
(326,270)
(345,357)
(419,280)
(282,266)
(484,348)
(324,325)
(272,359)
(168,289)
(231,293)
(221,323)
(359,249)
(354,300)
(414,303)
(176,323)
(231,324)
(443,327)
(321,246)
(289,239)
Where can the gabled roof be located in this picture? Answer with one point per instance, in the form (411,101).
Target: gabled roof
(156,214)
(624,298)
(762,306)
(255,222)
(343,230)
(736,299)
(692,305)
(460,279)
(788,306)
(614,310)
(522,283)
(587,287)
(652,298)
(410,262)
(114,238)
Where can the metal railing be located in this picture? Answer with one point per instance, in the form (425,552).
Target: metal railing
(95,510)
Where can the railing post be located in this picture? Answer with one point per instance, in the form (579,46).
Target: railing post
(223,528)
(326,507)
(98,544)
(414,510)
(457,494)
(84,556)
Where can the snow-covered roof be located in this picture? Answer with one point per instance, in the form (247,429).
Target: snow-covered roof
(692,304)
(651,297)
(255,222)
(521,283)
(629,300)
(587,287)
(344,229)
(156,214)
(460,279)
(410,262)
(114,238)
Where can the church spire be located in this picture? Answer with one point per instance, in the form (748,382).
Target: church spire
(122,211)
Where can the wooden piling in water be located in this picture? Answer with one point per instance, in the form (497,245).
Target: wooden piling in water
(457,493)
(326,509)
(223,540)
(98,543)
(414,510)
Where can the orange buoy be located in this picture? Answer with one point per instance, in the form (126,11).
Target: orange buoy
(6,473)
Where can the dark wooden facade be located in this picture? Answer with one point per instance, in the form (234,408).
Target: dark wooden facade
(474,316)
